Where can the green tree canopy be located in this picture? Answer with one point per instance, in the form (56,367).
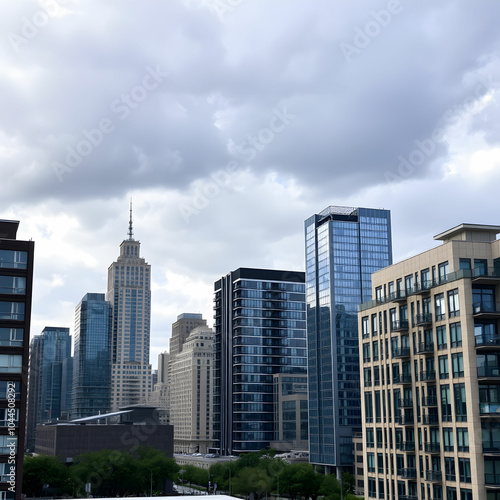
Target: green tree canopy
(42,469)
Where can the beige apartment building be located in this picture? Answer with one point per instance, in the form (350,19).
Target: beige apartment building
(191,392)
(430,369)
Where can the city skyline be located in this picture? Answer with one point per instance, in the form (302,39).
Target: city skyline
(208,122)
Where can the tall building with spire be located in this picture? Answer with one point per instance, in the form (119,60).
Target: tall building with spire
(129,292)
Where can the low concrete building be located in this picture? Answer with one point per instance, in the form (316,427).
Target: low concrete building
(137,426)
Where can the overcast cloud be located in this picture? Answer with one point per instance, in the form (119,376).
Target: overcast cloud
(229,122)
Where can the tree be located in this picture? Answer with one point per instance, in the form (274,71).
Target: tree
(300,480)
(252,480)
(41,470)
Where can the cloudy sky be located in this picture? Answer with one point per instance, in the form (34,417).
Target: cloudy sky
(229,122)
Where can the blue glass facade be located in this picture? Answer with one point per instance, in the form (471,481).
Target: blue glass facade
(259,332)
(92,357)
(344,246)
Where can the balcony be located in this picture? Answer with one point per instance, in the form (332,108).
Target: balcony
(407,473)
(428,376)
(397,296)
(423,288)
(491,447)
(425,348)
(406,403)
(484,310)
(407,446)
(434,476)
(432,448)
(492,479)
(431,419)
(404,378)
(423,319)
(400,325)
(489,276)
(488,372)
(489,409)
(487,341)
(405,420)
(401,352)
(430,401)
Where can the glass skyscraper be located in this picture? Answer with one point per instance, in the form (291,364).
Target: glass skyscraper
(92,357)
(344,246)
(259,332)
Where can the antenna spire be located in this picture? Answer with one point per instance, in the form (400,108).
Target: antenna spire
(130,229)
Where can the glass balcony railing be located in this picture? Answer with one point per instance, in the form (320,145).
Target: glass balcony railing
(487,340)
(401,352)
(425,348)
(405,420)
(488,371)
(491,447)
(485,308)
(492,479)
(400,325)
(430,401)
(432,475)
(423,319)
(432,447)
(489,409)
(408,473)
(428,376)
(407,446)
(431,419)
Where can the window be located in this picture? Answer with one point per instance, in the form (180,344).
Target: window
(11,363)
(466,494)
(441,337)
(370,441)
(480,267)
(453,303)
(456,335)
(11,336)
(370,462)
(368,407)
(443,367)
(465,264)
(457,362)
(462,439)
(439,306)
(448,438)
(409,284)
(365,330)
(366,353)
(12,310)
(376,375)
(375,350)
(460,403)
(449,468)
(464,470)
(374,324)
(446,403)
(13,259)
(443,270)
(368,377)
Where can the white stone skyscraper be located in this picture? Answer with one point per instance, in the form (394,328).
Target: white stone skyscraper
(129,292)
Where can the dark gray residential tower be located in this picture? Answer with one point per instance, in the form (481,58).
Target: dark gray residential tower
(16,277)
(259,332)
(344,246)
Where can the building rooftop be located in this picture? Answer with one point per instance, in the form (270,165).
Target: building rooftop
(8,229)
(469,232)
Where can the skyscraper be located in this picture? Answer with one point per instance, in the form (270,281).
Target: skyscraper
(431,372)
(48,391)
(191,392)
(259,331)
(129,292)
(344,246)
(92,357)
(16,277)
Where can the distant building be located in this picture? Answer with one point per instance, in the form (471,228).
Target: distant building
(138,426)
(181,329)
(260,331)
(191,392)
(290,412)
(92,357)
(344,246)
(431,371)
(16,277)
(129,292)
(160,396)
(49,384)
